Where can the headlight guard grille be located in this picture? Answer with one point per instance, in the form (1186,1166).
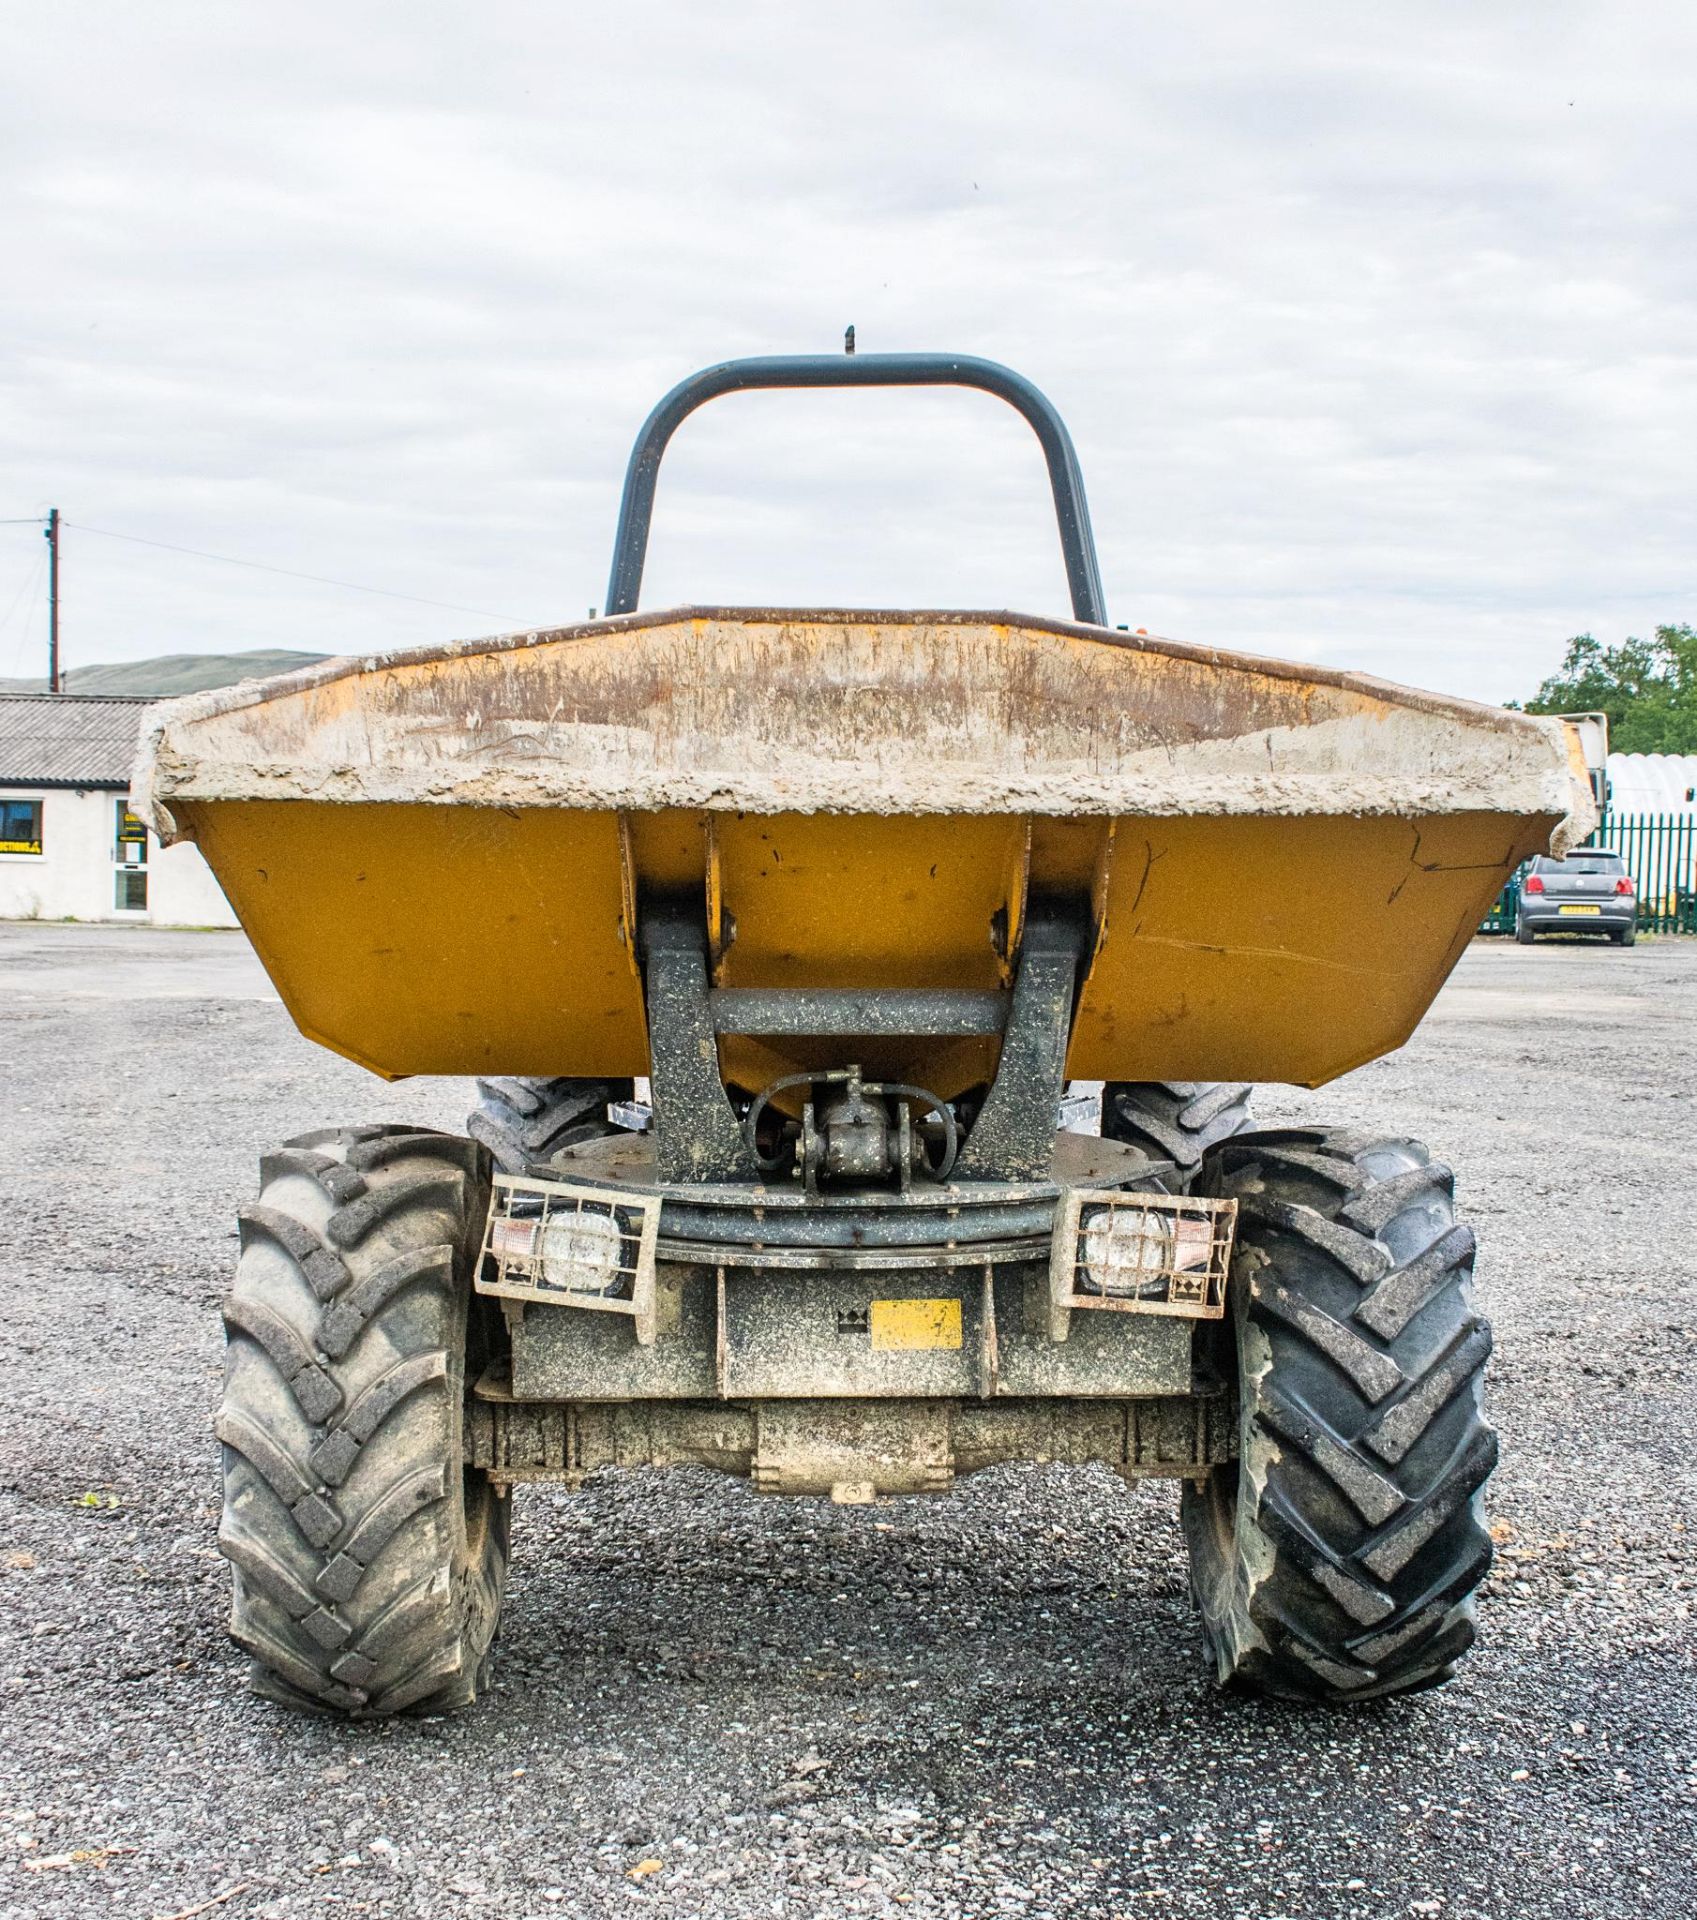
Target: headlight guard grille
(1130,1252)
(555,1243)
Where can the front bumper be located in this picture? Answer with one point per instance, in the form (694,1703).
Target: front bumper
(618,1287)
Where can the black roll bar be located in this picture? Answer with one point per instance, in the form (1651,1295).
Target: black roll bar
(636,508)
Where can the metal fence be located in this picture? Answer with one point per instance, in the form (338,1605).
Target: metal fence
(1660,851)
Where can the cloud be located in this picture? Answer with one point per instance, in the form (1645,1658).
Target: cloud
(1373,326)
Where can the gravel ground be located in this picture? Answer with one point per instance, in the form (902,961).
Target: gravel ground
(709,1703)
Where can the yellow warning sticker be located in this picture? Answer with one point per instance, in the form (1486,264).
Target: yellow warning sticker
(904,1326)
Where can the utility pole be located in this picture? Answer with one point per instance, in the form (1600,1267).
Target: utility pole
(52,538)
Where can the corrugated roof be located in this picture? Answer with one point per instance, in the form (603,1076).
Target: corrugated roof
(68,739)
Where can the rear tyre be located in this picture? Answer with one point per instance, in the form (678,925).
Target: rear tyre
(1335,1560)
(369,1561)
(524,1121)
(1626,936)
(1176,1120)
(1524,934)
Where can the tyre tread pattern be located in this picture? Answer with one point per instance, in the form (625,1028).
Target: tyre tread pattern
(1175,1120)
(343,1514)
(1355,1536)
(524,1120)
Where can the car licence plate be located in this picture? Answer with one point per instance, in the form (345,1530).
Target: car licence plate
(1581,909)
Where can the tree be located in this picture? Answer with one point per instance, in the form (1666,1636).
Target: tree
(1648,688)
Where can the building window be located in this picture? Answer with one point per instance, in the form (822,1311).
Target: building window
(131,892)
(20,826)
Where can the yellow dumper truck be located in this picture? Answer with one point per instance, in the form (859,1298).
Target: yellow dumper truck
(858,895)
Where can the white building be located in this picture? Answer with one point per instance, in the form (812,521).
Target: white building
(70,849)
(1653,782)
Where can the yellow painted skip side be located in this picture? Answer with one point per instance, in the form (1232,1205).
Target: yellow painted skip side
(1259,948)
(419,938)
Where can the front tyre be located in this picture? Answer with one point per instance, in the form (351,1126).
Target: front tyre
(1176,1120)
(524,1121)
(1336,1559)
(369,1560)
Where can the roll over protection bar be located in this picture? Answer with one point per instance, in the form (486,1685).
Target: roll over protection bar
(636,507)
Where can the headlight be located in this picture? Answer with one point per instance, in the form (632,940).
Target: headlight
(1135,1253)
(580,1252)
(1127,1254)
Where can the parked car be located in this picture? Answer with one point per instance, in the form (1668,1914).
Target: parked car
(1588,892)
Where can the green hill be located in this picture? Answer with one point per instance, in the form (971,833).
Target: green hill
(174,672)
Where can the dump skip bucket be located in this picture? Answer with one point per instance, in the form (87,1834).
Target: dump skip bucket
(440,855)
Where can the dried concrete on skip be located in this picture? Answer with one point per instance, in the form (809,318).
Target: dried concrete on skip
(768,711)
(712,1704)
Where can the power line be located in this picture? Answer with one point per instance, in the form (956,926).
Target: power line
(25,595)
(290,573)
(31,581)
(35,520)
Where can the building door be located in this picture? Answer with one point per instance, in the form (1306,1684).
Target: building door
(129,852)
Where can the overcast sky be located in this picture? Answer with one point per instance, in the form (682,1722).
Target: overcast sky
(1374,326)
